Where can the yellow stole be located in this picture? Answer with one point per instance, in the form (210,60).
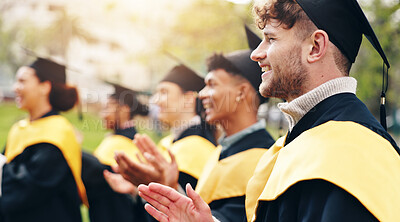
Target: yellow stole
(346,154)
(165,143)
(105,151)
(191,154)
(55,130)
(228,177)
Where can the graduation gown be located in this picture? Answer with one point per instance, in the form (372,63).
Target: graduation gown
(223,182)
(105,204)
(120,141)
(41,181)
(337,164)
(191,149)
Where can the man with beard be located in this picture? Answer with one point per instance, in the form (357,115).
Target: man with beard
(323,169)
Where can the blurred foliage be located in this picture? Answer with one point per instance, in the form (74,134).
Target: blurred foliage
(205,27)
(7,37)
(384,17)
(65,28)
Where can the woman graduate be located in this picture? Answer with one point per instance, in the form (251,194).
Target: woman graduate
(105,204)
(41,180)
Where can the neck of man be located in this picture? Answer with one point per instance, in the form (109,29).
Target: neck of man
(297,108)
(238,121)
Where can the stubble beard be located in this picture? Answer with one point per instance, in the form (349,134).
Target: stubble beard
(288,77)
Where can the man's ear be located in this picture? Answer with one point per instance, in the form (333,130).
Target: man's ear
(320,42)
(244,89)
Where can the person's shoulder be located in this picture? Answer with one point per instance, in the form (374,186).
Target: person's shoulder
(321,199)
(258,139)
(338,204)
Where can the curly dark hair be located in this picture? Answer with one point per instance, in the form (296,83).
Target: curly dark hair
(218,61)
(289,13)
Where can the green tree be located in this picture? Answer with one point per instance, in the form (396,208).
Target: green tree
(205,27)
(368,67)
(65,28)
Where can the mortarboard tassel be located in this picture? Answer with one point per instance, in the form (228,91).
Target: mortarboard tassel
(385,83)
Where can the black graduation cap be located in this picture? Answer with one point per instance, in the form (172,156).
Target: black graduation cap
(345,23)
(185,77)
(47,69)
(247,67)
(128,97)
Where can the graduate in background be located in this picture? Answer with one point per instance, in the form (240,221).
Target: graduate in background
(121,107)
(41,180)
(105,204)
(231,99)
(191,141)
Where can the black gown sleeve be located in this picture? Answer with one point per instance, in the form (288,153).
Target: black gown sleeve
(185,178)
(229,210)
(314,200)
(32,177)
(105,204)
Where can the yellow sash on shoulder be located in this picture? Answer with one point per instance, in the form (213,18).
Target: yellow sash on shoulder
(165,143)
(346,154)
(192,153)
(55,130)
(105,151)
(228,177)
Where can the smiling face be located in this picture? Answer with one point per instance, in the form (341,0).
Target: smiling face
(28,89)
(219,96)
(110,113)
(280,57)
(173,102)
(114,114)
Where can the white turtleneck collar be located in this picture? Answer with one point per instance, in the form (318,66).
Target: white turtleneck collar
(296,109)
